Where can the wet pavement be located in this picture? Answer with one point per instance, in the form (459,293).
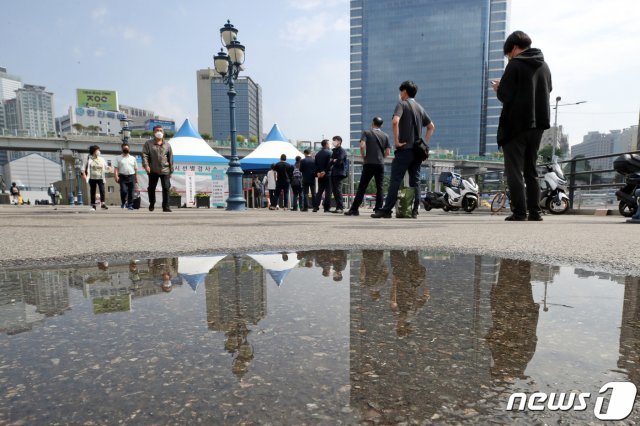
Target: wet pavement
(324,336)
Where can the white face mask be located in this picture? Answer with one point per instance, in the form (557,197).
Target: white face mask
(97,153)
(158,135)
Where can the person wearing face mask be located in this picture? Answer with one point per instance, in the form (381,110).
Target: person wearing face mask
(125,174)
(95,172)
(157,160)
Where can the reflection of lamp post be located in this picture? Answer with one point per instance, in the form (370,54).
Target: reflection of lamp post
(78,164)
(555,124)
(228,66)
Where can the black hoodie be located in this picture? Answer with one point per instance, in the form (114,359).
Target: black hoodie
(524,92)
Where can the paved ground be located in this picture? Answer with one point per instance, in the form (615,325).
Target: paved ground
(39,236)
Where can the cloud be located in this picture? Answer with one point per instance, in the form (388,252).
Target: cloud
(306,30)
(99,13)
(170,101)
(131,34)
(315,4)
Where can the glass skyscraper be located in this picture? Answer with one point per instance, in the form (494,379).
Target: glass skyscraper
(450,48)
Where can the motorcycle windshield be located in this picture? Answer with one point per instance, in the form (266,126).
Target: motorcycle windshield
(558,170)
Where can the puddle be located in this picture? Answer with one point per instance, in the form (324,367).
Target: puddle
(312,337)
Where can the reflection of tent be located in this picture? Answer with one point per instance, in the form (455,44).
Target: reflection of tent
(193,269)
(269,152)
(189,147)
(276,265)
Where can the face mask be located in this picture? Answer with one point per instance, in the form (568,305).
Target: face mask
(158,135)
(97,153)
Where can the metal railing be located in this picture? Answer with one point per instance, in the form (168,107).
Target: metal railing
(574,176)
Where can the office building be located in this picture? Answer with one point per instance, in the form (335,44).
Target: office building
(213,107)
(549,138)
(31,111)
(81,119)
(450,48)
(614,142)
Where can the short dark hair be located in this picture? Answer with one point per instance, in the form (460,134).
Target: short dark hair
(306,151)
(377,121)
(324,142)
(124,144)
(337,138)
(298,158)
(516,38)
(157,126)
(273,166)
(410,87)
(93,149)
(283,157)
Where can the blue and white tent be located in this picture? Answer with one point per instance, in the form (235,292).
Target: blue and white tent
(277,265)
(189,147)
(269,152)
(192,155)
(193,269)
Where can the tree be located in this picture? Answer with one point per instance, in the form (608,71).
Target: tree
(79,127)
(545,153)
(94,129)
(253,138)
(206,136)
(240,138)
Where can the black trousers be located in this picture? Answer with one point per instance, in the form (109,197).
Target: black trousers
(272,197)
(369,171)
(126,189)
(282,187)
(92,189)
(520,155)
(403,162)
(165,181)
(297,197)
(306,186)
(336,187)
(324,187)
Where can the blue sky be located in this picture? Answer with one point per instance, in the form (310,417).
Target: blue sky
(298,51)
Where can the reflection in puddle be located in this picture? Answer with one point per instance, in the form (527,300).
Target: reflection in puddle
(314,336)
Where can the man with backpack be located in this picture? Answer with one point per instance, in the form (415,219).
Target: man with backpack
(374,148)
(339,171)
(296,185)
(408,119)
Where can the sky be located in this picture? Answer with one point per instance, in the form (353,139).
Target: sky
(298,51)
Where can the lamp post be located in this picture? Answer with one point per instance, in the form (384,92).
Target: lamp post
(126,131)
(555,124)
(228,65)
(78,164)
(70,183)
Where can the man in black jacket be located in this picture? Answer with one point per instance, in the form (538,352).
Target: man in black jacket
(284,174)
(308,170)
(524,92)
(323,167)
(338,172)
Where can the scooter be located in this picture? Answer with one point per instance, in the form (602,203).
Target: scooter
(435,200)
(628,165)
(459,192)
(554,196)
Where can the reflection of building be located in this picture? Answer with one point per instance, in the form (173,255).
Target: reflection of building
(583,273)
(236,298)
(543,272)
(28,297)
(391,372)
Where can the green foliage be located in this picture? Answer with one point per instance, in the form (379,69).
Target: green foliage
(240,138)
(79,127)
(206,136)
(253,138)
(545,153)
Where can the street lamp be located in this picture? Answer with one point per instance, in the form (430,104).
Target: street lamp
(70,183)
(78,165)
(228,65)
(126,131)
(555,124)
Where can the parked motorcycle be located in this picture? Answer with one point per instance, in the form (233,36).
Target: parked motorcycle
(459,194)
(628,165)
(554,196)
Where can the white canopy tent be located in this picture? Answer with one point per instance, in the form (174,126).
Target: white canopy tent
(193,269)
(269,152)
(277,265)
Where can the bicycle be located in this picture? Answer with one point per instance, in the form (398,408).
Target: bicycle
(500,199)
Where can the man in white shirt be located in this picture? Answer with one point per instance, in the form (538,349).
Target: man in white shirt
(125,174)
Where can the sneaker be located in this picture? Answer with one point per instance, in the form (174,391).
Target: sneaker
(352,213)
(534,217)
(130,207)
(166,209)
(104,207)
(414,214)
(93,209)
(294,210)
(315,209)
(514,218)
(338,211)
(151,208)
(122,206)
(381,213)
(304,210)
